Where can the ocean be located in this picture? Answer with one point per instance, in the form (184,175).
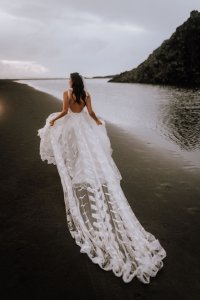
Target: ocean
(164,117)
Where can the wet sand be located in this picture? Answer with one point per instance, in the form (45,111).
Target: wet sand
(39,258)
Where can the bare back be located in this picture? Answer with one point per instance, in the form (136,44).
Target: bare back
(74,106)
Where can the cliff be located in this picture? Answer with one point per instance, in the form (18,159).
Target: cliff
(176,61)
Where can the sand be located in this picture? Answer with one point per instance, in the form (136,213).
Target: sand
(39,258)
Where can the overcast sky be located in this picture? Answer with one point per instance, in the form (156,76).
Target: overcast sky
(47,38)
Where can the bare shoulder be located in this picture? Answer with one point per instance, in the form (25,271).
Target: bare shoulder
(88,95)
(66,94)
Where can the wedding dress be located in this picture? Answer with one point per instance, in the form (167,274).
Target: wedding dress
(98,214)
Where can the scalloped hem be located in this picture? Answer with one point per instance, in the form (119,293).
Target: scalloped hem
(144,271)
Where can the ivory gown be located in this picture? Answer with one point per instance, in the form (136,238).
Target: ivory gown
(98,214)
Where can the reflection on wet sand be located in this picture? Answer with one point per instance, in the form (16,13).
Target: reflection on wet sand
(180,117)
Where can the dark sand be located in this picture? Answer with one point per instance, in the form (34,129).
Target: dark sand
(39,258)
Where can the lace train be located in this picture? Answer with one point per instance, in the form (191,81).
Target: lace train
(98,214)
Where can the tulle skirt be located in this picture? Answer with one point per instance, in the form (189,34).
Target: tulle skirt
(98,214)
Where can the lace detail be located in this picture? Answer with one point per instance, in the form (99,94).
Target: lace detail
(98,214)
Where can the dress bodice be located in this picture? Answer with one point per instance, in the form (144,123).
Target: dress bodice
(75,112)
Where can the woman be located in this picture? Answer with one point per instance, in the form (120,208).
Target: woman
(99,216)
(76,83)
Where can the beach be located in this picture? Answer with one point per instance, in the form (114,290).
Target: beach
(39,258)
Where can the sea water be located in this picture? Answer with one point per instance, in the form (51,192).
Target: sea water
(167,117)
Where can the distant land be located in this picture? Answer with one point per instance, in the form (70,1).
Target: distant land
(32,78)
(53,78)
(175,62)
(107,76)
(38,78)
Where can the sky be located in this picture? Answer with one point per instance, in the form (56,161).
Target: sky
(53,38)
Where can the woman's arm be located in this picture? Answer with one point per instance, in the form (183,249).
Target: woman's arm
(90,110)
(65,107)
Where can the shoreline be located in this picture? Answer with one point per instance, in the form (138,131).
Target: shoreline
(159,141)
(163,195)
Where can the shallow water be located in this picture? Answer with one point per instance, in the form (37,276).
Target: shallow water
(163,117)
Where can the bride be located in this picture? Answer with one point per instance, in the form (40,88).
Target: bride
(98,214)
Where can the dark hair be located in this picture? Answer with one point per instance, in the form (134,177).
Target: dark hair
(78,87)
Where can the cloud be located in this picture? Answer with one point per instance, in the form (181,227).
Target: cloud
(92,37)
(16,68)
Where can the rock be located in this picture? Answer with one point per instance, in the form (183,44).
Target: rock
(175,62)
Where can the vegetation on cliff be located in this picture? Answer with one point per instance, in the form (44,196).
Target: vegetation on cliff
(176,61)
